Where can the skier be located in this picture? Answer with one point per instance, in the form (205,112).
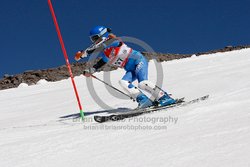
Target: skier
(115,52)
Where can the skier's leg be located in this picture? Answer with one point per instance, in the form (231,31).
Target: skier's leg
(157,94)
(126,83)
(134,92)
(144,83)
(152,89)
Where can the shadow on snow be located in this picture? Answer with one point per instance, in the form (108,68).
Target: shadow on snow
(77,115)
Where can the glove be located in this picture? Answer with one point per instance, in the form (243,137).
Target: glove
(80,54)
(89,72)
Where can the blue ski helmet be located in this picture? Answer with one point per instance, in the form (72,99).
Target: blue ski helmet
(98,32)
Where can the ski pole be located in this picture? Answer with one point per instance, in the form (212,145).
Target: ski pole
(112,87)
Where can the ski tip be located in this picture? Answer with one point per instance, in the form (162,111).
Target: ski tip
(101,119)
(98,119)
(205,97)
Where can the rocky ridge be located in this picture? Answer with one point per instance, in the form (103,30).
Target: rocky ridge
(58,73)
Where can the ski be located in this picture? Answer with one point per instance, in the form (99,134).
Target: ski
(136,112)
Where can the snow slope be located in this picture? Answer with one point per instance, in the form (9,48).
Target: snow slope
(37,125)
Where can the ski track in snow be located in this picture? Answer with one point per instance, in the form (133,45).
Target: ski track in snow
(214,132)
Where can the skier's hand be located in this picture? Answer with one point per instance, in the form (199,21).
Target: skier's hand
(80,54)
(89,72)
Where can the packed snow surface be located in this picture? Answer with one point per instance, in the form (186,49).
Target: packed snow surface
(39,124)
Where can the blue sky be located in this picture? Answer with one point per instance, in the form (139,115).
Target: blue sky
(29,40)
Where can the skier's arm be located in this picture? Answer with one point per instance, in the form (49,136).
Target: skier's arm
(97,48)
(104,60)
(96,67)
(99,64)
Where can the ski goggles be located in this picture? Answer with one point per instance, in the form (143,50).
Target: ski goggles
(95,37)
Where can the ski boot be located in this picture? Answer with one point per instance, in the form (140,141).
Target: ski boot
(166,100)
(143,101)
